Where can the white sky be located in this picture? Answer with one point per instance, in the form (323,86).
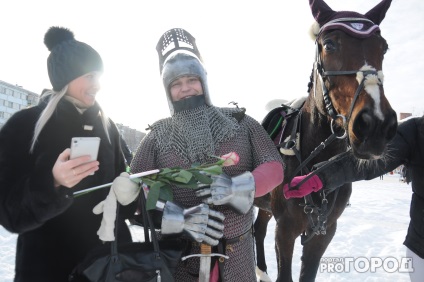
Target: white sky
(254,51)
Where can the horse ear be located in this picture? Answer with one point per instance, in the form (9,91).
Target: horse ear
(378,13)
(321,12)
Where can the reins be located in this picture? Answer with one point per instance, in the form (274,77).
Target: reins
(309,206)
(322,74)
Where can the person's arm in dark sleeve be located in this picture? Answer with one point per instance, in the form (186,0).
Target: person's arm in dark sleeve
(347,168)
(28,197)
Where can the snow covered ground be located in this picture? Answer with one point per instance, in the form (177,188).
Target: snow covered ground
(371,230)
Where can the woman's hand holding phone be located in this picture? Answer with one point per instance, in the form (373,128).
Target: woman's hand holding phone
(76,163)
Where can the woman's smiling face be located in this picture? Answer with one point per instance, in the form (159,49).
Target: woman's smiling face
(85,88)
(185,87)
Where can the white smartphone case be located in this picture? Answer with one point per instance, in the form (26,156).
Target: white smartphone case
(82,146)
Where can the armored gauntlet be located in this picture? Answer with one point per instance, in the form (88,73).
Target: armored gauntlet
(196,221)
(237,192)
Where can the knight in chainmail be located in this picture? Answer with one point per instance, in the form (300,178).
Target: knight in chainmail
(195,132)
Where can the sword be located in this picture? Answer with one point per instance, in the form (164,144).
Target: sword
(201,256)
(136,175)
(205,263)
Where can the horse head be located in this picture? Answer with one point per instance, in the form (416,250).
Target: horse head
(347,80)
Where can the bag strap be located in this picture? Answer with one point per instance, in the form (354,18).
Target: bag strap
(145,220)
(149,222)
(148,225)
(114,244)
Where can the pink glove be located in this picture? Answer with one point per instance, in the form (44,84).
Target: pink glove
(313,184)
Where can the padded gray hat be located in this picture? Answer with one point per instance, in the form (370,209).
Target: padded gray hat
(69,58)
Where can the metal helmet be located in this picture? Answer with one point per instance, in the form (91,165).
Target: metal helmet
(178,57)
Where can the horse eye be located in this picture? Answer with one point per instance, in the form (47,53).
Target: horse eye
(329,45)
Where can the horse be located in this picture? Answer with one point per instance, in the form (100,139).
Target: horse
(345,110)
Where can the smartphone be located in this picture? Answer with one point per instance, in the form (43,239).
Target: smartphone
(82,146)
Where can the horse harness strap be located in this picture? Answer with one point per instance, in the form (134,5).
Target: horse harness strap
(321,225)
(292,144)
(314,153)
(309,207)
(278,118)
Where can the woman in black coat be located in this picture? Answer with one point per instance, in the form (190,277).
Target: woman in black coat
(406,148)
(37,179)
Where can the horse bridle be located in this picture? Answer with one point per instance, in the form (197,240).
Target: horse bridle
(309,206)
(321,73)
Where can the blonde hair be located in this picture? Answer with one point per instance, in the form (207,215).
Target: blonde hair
(54,98)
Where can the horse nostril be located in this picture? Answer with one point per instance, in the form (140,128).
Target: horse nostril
(363,125)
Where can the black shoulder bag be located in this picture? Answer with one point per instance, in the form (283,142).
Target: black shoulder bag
(149,261)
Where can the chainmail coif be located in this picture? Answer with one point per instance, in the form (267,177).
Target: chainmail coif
(195,134)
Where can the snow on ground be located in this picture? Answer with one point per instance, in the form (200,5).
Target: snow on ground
(372,229)
(374,226)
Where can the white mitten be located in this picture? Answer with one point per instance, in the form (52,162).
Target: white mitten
(126,190)
(108,208)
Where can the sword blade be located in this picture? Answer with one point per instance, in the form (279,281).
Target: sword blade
(205,263)
(132,176)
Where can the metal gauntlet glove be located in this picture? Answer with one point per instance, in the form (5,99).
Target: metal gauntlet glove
(237,192)
(195,221)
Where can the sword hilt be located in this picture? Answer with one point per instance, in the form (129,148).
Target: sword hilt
(205,249)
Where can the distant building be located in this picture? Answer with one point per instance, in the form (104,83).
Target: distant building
(131,136)
(404,115)
(13,98)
